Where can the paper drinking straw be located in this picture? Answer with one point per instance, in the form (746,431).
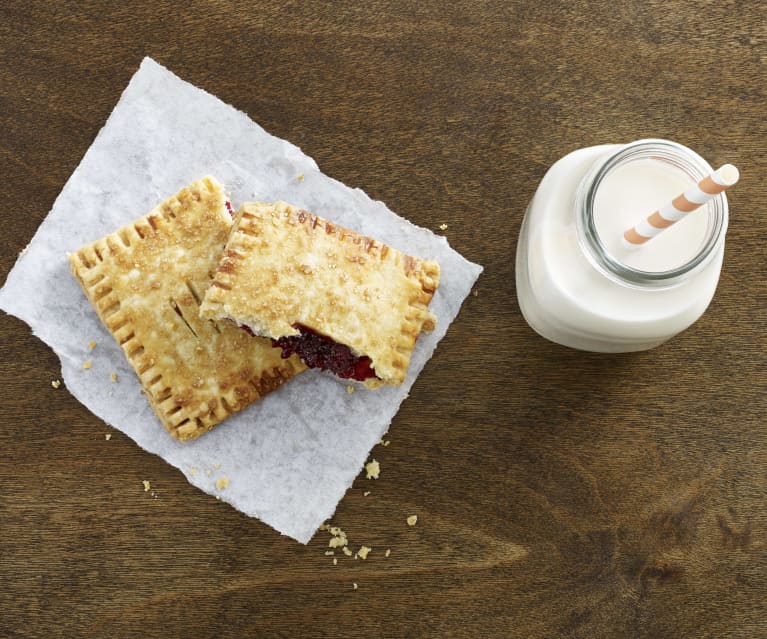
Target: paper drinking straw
(691,199)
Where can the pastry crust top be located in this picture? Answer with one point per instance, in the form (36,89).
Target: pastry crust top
(284,267)
(146,282)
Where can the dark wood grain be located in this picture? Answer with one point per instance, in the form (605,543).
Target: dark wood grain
(559,494)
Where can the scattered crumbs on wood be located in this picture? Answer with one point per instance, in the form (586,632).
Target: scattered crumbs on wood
(91,345)
(443,227)
(113,377)
(56,383)
(147,486)
(222,482)
(387,553)
(373,469)
(350,389)
(386,443)
(87,364)
(412,520)
(108,436)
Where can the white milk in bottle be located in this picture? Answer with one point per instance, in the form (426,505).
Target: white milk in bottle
(581,284)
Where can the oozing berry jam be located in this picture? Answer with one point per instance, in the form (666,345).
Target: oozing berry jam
(318,351)
(229,208)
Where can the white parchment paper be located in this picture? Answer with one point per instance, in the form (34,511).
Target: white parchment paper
(289,458)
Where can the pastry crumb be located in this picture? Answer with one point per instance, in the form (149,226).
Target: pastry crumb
(363,552)
(330,553)
(222,482)
(475,293)
(373,469)
(350,389)
(91,345)
(108,436)
(388,552)
(300,178)
(355,586)
(323,526)
(87,364)
(56,383)
(443,227)
(113,377)
(386,443)
(338,539)
(147,486)
(335,561)
(412,520)
(347,552)
(366,493)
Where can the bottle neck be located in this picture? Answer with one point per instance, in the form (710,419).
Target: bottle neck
(678,158)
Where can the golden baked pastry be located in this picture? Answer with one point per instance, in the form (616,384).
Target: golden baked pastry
(341,301)
(146,282)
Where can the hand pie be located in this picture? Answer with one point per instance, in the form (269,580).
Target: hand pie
(341,301)
(146,281)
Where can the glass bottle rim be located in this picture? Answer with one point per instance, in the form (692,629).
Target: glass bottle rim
(682,158)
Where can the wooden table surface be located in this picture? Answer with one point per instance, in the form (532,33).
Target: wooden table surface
(558,493)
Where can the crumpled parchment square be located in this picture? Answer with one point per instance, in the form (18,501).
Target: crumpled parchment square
(290,457)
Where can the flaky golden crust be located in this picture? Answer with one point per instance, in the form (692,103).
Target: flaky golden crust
(284,267)
(146,282)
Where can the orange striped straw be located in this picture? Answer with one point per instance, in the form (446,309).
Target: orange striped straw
(697,195)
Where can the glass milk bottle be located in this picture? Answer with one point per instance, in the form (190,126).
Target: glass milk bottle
(582,285)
